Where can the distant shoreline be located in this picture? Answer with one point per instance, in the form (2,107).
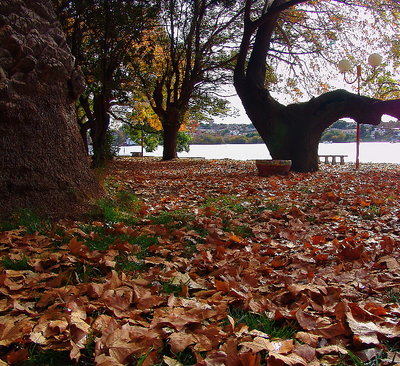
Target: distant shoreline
(260,143)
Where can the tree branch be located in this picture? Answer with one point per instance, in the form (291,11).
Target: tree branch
(337,104)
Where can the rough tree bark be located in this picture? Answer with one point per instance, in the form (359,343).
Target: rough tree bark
(170,137)
(99,128)
(293,132)
(42,158)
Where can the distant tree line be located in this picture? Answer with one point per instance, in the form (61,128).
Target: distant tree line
(342,131)
(211,139)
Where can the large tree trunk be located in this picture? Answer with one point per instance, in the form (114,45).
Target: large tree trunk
(43,163)
(293,132)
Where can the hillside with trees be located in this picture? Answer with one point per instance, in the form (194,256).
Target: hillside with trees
(340,131)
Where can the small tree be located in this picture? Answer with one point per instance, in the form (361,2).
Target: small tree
(102,35)
(184,60)
(144,128)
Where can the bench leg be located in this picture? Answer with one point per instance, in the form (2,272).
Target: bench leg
(342,160)
(326,159)
(333,160)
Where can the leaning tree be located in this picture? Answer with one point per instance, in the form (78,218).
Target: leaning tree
(43,166)
(278,29)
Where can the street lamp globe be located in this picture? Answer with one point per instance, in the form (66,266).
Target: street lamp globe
(375,59)
(344,66)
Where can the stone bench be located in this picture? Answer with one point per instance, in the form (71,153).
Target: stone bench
(332,158)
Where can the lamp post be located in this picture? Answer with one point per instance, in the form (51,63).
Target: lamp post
(344,66)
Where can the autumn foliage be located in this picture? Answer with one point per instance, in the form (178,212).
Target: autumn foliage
(162,271)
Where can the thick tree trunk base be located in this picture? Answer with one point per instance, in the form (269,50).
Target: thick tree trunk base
(170,142)
(43,163)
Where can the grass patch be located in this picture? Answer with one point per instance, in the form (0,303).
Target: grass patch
(186,357)
(25,218)
(262,323)
(85,273)
(371,212)
(175,219)
(381,358)
(311,219)
(171,288)
(48,358)
(144,242)
(101,237)
(243,231)
(229,202)
(125,265)
(123,207)
(394,296)
(16,264)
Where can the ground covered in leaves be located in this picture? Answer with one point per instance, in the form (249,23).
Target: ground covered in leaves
(204,262)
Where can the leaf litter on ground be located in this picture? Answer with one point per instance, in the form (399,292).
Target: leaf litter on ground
(207,259)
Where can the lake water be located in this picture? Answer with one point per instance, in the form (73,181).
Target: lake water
(370,152)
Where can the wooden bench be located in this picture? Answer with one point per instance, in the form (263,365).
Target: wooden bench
(333,158)
(136,154)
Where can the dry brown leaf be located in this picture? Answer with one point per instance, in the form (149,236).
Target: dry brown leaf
(180,340)
(305,351)
(103,360)
(307,338)
(17,357)
(14,328)
(258,344)
(277,359)
(171,362)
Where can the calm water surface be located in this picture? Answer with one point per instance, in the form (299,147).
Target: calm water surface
(370,152)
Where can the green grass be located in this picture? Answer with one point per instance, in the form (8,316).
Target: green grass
(371,212)
(122,207)
(354,359)
(311,219)
(171,288)
(262,323)
(144,242)
(14,264)
(85,273)
(25,218)
(243,231)
(175,219)
(48,358)
(102,237)
(229,202)
(123,264)
(186,357)
(394,296)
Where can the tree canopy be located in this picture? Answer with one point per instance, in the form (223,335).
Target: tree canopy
(102,35)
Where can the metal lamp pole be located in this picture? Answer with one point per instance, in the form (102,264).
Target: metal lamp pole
(345,66)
